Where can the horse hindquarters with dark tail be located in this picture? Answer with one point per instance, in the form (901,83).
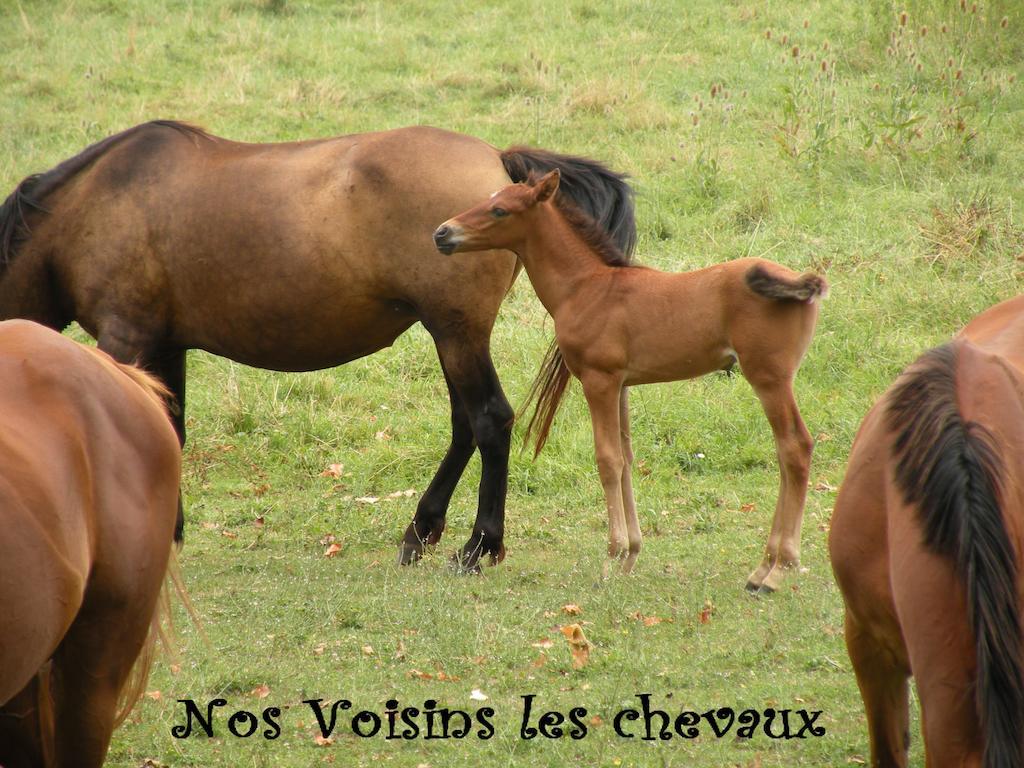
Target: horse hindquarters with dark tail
(955,422)
(162,203)
(88,488)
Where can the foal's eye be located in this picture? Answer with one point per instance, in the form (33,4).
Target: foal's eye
(499,213)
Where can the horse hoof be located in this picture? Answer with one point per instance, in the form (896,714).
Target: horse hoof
(409,554)
(465,565)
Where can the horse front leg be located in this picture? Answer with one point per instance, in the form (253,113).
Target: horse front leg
(470,372)
(429,521)
(603,393)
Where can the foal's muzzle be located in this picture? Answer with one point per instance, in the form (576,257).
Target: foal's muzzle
(446,239)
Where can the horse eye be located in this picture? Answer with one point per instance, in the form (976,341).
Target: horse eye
(498,212)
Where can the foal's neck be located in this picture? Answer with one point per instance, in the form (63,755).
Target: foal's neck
(557,259)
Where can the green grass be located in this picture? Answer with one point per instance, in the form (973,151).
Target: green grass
(903,186)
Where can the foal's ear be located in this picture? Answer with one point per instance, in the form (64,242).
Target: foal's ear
(547,186)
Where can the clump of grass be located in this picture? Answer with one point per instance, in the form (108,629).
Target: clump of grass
(966,230)
(710,120)
(807,126)
(937,56)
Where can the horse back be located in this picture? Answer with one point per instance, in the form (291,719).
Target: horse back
(179,237)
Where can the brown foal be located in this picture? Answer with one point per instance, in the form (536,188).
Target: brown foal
(618,326)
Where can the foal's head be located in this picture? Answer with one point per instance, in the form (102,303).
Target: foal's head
(501,222)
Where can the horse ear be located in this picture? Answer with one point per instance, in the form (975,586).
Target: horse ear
(547,186)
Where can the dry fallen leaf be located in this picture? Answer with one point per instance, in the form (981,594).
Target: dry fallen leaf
(748,507)
(259,522)
(544,644)
(154,695)
(578,645)
(323,742)
(332,550)
(366,499)
(706,612)
(228,534)
(477,695)
(421,675)
(333,470)
(368,650)
(260,691)
(572,609)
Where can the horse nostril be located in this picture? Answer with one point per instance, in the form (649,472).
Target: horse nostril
(442,232)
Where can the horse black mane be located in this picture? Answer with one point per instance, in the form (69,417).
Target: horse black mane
(593,234)
(596,200)
(29,196)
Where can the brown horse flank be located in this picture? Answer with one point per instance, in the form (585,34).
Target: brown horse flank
(293,256)
(926,541)
(89,472)
(617,326)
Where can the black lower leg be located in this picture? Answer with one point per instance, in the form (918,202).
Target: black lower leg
(491,418)
(428,523)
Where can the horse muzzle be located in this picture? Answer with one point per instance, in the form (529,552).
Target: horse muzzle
(447,238)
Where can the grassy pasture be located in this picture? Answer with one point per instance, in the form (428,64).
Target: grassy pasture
(885,152)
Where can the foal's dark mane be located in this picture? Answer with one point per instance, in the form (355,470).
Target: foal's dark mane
(951,470)
(30,194)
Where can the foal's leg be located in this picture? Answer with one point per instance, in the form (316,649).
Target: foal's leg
(603,393)
(793,446)
(628,503)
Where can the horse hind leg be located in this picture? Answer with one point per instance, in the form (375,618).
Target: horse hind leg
(604,397)
(633,531)
(91,667)
(884,687)
(794,447)
(166,365)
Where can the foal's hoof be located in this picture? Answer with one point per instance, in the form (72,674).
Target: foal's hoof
(759,589)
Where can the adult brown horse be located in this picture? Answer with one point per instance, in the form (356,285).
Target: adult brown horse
(926,544)
(89,471)
(618,326)
(293,257)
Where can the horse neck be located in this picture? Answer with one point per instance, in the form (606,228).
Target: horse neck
(557,259)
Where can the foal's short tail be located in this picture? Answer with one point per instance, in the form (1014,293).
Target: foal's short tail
(807,287)
(951,470)
(606,197)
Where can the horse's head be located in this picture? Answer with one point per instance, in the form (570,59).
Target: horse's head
(501,222)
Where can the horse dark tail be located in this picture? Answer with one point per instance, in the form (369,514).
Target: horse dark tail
(606,197)
(807,287)
(951,470)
